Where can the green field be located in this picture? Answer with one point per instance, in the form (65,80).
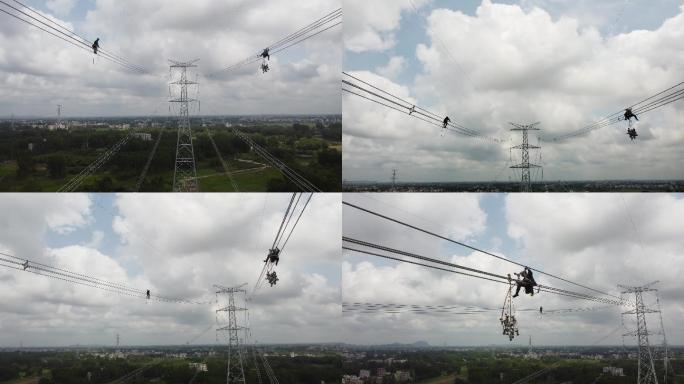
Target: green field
(56,157)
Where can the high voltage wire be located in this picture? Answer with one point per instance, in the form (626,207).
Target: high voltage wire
(133,374)
(404,106)
(77,180)
(328,21)
(285,230)
(68,36)
(285,170)
(399,308)
(403,223)
(659,100)
(226,170)
(84,39)
(146,168)
(474,272)
(268,369)
(256,366)
(13,262)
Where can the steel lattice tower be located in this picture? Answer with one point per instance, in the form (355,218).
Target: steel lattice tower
(235,371)
(646,372)
(185,173)
(59,116)
(525,165)
(394,178)
(666,354)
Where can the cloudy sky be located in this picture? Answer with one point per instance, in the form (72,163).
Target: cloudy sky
(598,240)
(486,63)
(39,71)
(175,245)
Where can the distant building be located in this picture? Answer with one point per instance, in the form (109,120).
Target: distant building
(381,372)
(364,374)
(614,371)
(199,367)
(351,379)
(402,376)
(143,136)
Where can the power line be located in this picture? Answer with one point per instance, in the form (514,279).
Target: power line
(226,170)
(77,180)
(406,107)
(69,37)
(85,40)
(470,247)
(296,221)
(297,179)
(463,309)
(285,231)
(291,40)
(146,168)
(659,100)
(13,262)
(474,272)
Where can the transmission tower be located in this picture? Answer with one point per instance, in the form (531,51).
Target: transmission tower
(525,165)
(646,373)
(235,372)
(117,340)
(666,353)
(394,178)
(185,173)
(59,116)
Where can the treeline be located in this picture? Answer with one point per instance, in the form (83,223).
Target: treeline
(70,367)
(60,154)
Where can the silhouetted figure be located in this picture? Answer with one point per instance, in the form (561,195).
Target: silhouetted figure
(446,121)
(526,280)
(629,114)
(273,256)
(96,45)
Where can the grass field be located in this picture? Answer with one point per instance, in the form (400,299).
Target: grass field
(253,181)
(25,380)
(449,379)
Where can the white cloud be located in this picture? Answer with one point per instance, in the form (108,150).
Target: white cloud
(38,71)
(370,25)
(176,246)
(61,7)
(534,68)
(26,219)
(394,67)
(587,238)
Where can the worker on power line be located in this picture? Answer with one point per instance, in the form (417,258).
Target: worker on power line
(265,55)
(541,310)
(96,45)
(148,294)
(526,280)
(273,256)
(412,109)
(629,114)
(446,122)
